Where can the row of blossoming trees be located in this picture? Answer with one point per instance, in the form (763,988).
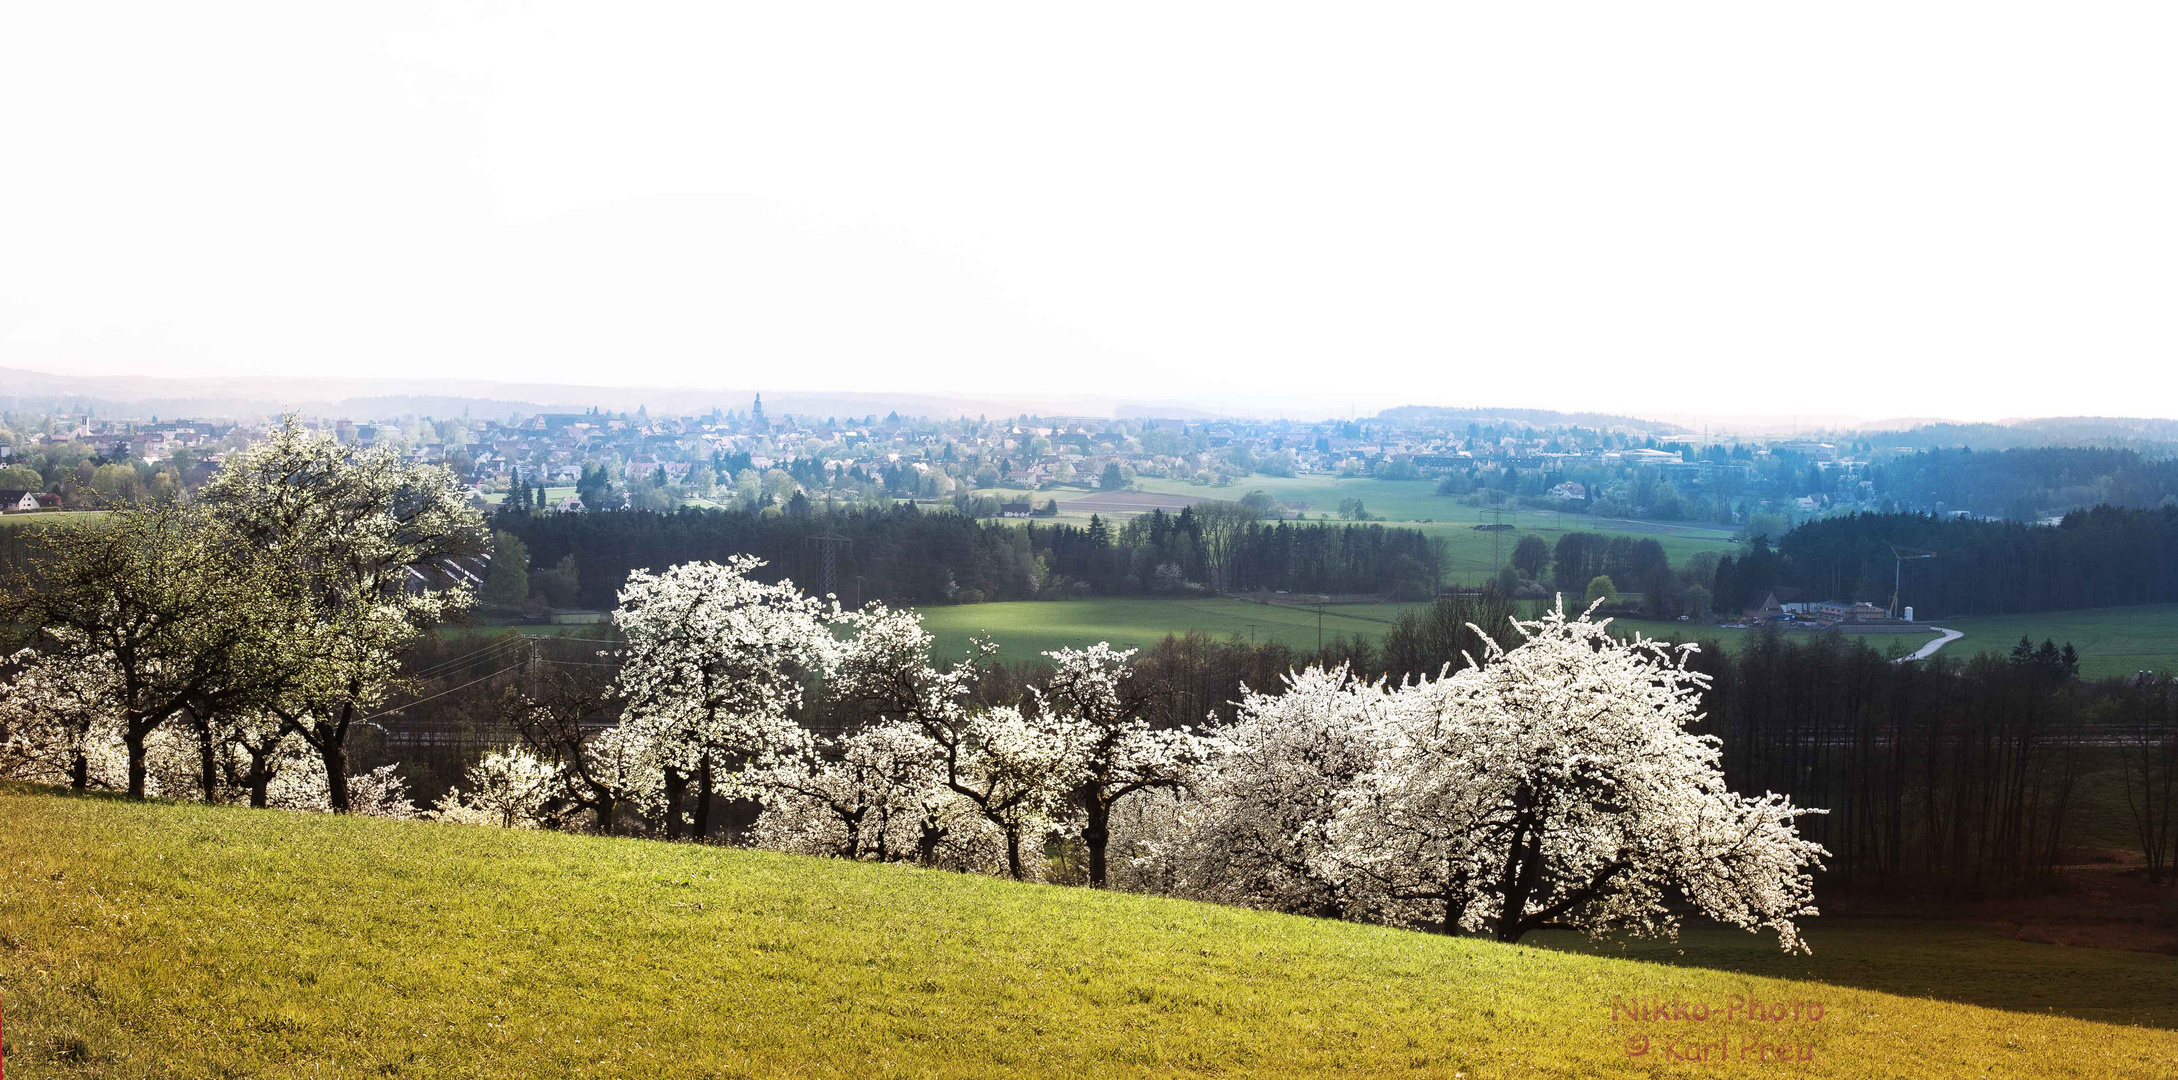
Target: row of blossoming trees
(1551,784)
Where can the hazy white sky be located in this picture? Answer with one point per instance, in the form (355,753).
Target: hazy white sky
(1884,209)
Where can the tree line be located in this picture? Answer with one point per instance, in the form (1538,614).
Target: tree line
(2098,557)
(905,555)
(2024,483)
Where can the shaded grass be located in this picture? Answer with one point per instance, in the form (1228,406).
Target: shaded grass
(1929,958)
(180,940)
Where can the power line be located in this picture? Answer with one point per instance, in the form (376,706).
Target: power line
(443,665)
(497,643)
(440,694)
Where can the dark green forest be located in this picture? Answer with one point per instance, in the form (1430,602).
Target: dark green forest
(2093,558)
(905,555)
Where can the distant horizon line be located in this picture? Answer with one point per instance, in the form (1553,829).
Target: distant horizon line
(271,393)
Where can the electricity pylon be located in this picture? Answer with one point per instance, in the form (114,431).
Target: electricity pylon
(1900,556)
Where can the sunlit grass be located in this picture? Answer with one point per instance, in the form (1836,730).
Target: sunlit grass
(1025,628)
(180,940)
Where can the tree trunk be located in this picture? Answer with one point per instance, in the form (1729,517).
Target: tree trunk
(1096,835)
(335,756)
(605,815)
(676,782)
(927,841)
(1521,869)
(703,801)
(260,777)
(79,774)
(207,760)
(1455,899)
(1013,853)
(135,740)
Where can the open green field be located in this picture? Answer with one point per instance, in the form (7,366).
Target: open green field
(553,495)
(189,941)
(1736,639)
(1024,628)
(48,517)
(2112,641)
(1475,556)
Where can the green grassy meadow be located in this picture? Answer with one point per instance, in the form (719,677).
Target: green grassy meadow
(1475,556)
(190,941)
(2112,641)
(49,517)
(1024,628)
(1737,640)
(553,495)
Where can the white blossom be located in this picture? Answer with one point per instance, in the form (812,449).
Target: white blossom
(713,669)
(1263,828)
(346,543)
(1121,756)
(1554,785)
(509,788)
(1015,768)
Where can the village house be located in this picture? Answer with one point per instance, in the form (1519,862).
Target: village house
(1837,611)
(12,502)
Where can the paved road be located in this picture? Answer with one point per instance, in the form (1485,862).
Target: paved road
(1929,649)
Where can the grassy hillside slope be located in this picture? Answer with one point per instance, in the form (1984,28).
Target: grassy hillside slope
(178,940)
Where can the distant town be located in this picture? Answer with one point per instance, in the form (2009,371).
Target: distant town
(1022,466)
